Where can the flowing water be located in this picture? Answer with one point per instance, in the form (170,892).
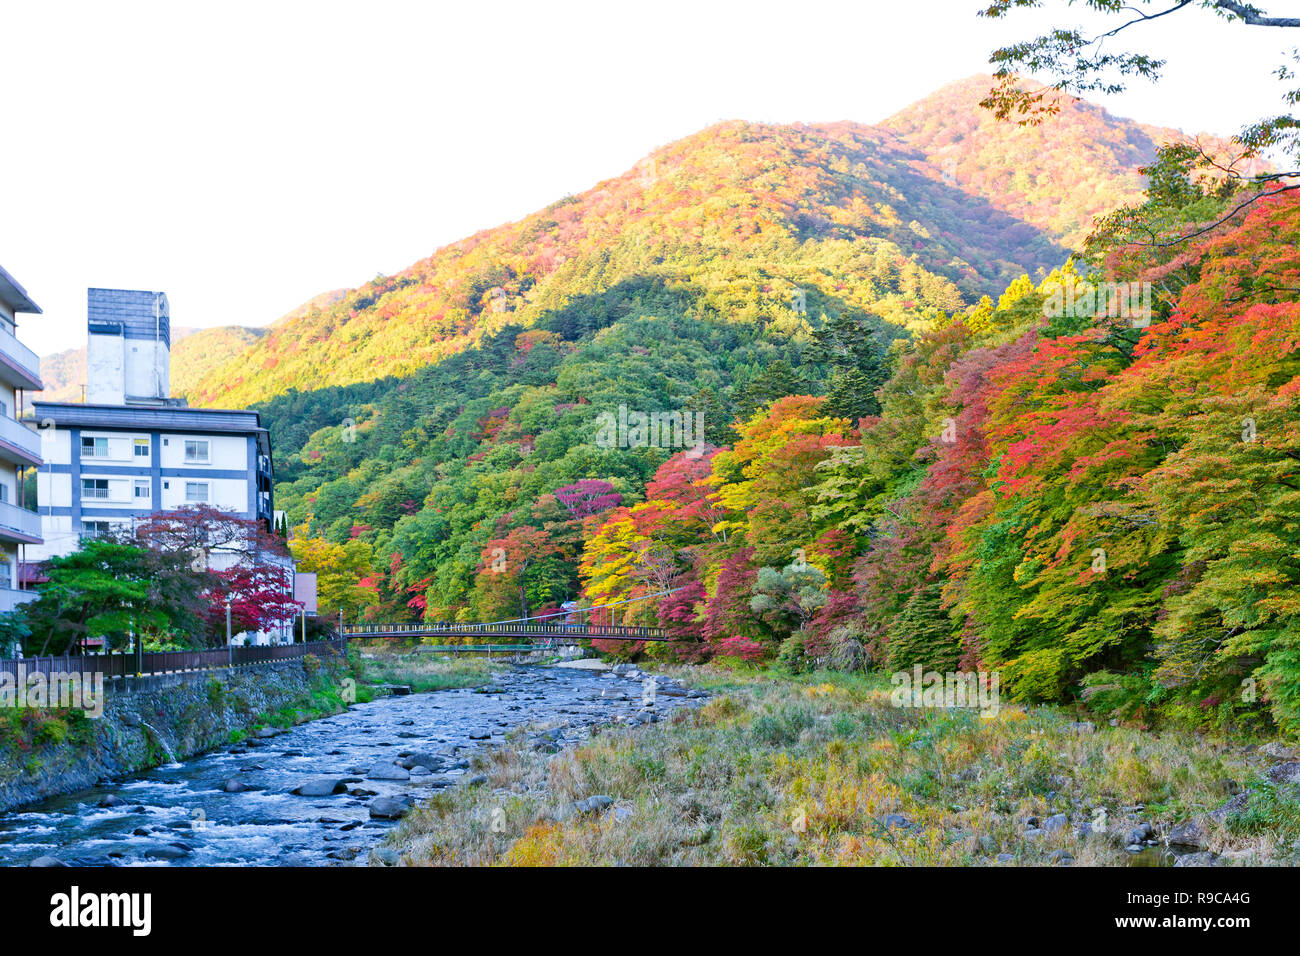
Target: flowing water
(180,814)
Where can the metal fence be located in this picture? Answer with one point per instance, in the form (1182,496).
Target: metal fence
(167,662)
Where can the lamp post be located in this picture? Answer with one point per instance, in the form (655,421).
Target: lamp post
(230,641)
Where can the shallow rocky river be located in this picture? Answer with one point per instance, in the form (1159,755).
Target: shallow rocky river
(186,814)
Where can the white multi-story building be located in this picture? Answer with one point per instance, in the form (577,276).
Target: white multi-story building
(20,447)
(131,450)
(107,465)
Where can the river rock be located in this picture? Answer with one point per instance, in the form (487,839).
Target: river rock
(589,805)
(1235,805)
(168,851)
(47,861)
(112,801)
(320,787)
(1279,751)
(235,785)
(431,761)
(384,856)
(390,808)
(388,771)
(418,771)
(1285,773)
(1189,833)
(1140,833)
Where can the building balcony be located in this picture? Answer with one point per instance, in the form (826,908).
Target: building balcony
(19,365)
(18,443)
(19,524)
(10,599)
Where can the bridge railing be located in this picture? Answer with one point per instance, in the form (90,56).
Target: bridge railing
(624,632)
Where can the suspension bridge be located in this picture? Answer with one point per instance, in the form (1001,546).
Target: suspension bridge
(617,621)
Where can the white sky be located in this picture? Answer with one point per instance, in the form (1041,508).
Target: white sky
(243,157)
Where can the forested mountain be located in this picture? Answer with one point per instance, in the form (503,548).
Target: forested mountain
(898,221)
(894,464)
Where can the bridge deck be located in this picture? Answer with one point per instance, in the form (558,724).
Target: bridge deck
(531,631)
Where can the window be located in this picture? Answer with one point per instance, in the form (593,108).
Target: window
(96,529)
(4,492)
(142,489)
(196,492)
(94,487)
(196,451)
(142,448)
(94,447)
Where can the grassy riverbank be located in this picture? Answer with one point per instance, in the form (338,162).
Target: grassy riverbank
(822,769)
(420,671)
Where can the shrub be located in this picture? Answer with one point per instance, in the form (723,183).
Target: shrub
(791,656)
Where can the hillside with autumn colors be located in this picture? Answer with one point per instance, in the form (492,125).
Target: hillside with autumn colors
(899,221)
(923,440)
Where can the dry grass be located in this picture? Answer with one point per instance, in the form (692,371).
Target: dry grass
(780,770)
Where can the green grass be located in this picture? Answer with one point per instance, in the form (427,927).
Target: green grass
(425,672)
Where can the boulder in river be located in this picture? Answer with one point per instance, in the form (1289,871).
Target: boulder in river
(320,787)
(235,785)
(111,801)
(390,808)
(431,761)
(47,861)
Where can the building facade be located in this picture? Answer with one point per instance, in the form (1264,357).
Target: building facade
(108,465)
(20,446)
(131,450)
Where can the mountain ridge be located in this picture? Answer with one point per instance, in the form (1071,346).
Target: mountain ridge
(900,218)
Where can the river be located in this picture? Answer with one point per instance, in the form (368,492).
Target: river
(181,815)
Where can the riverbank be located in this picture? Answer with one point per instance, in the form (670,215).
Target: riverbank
(326,792)
(45,753)
(822,769)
